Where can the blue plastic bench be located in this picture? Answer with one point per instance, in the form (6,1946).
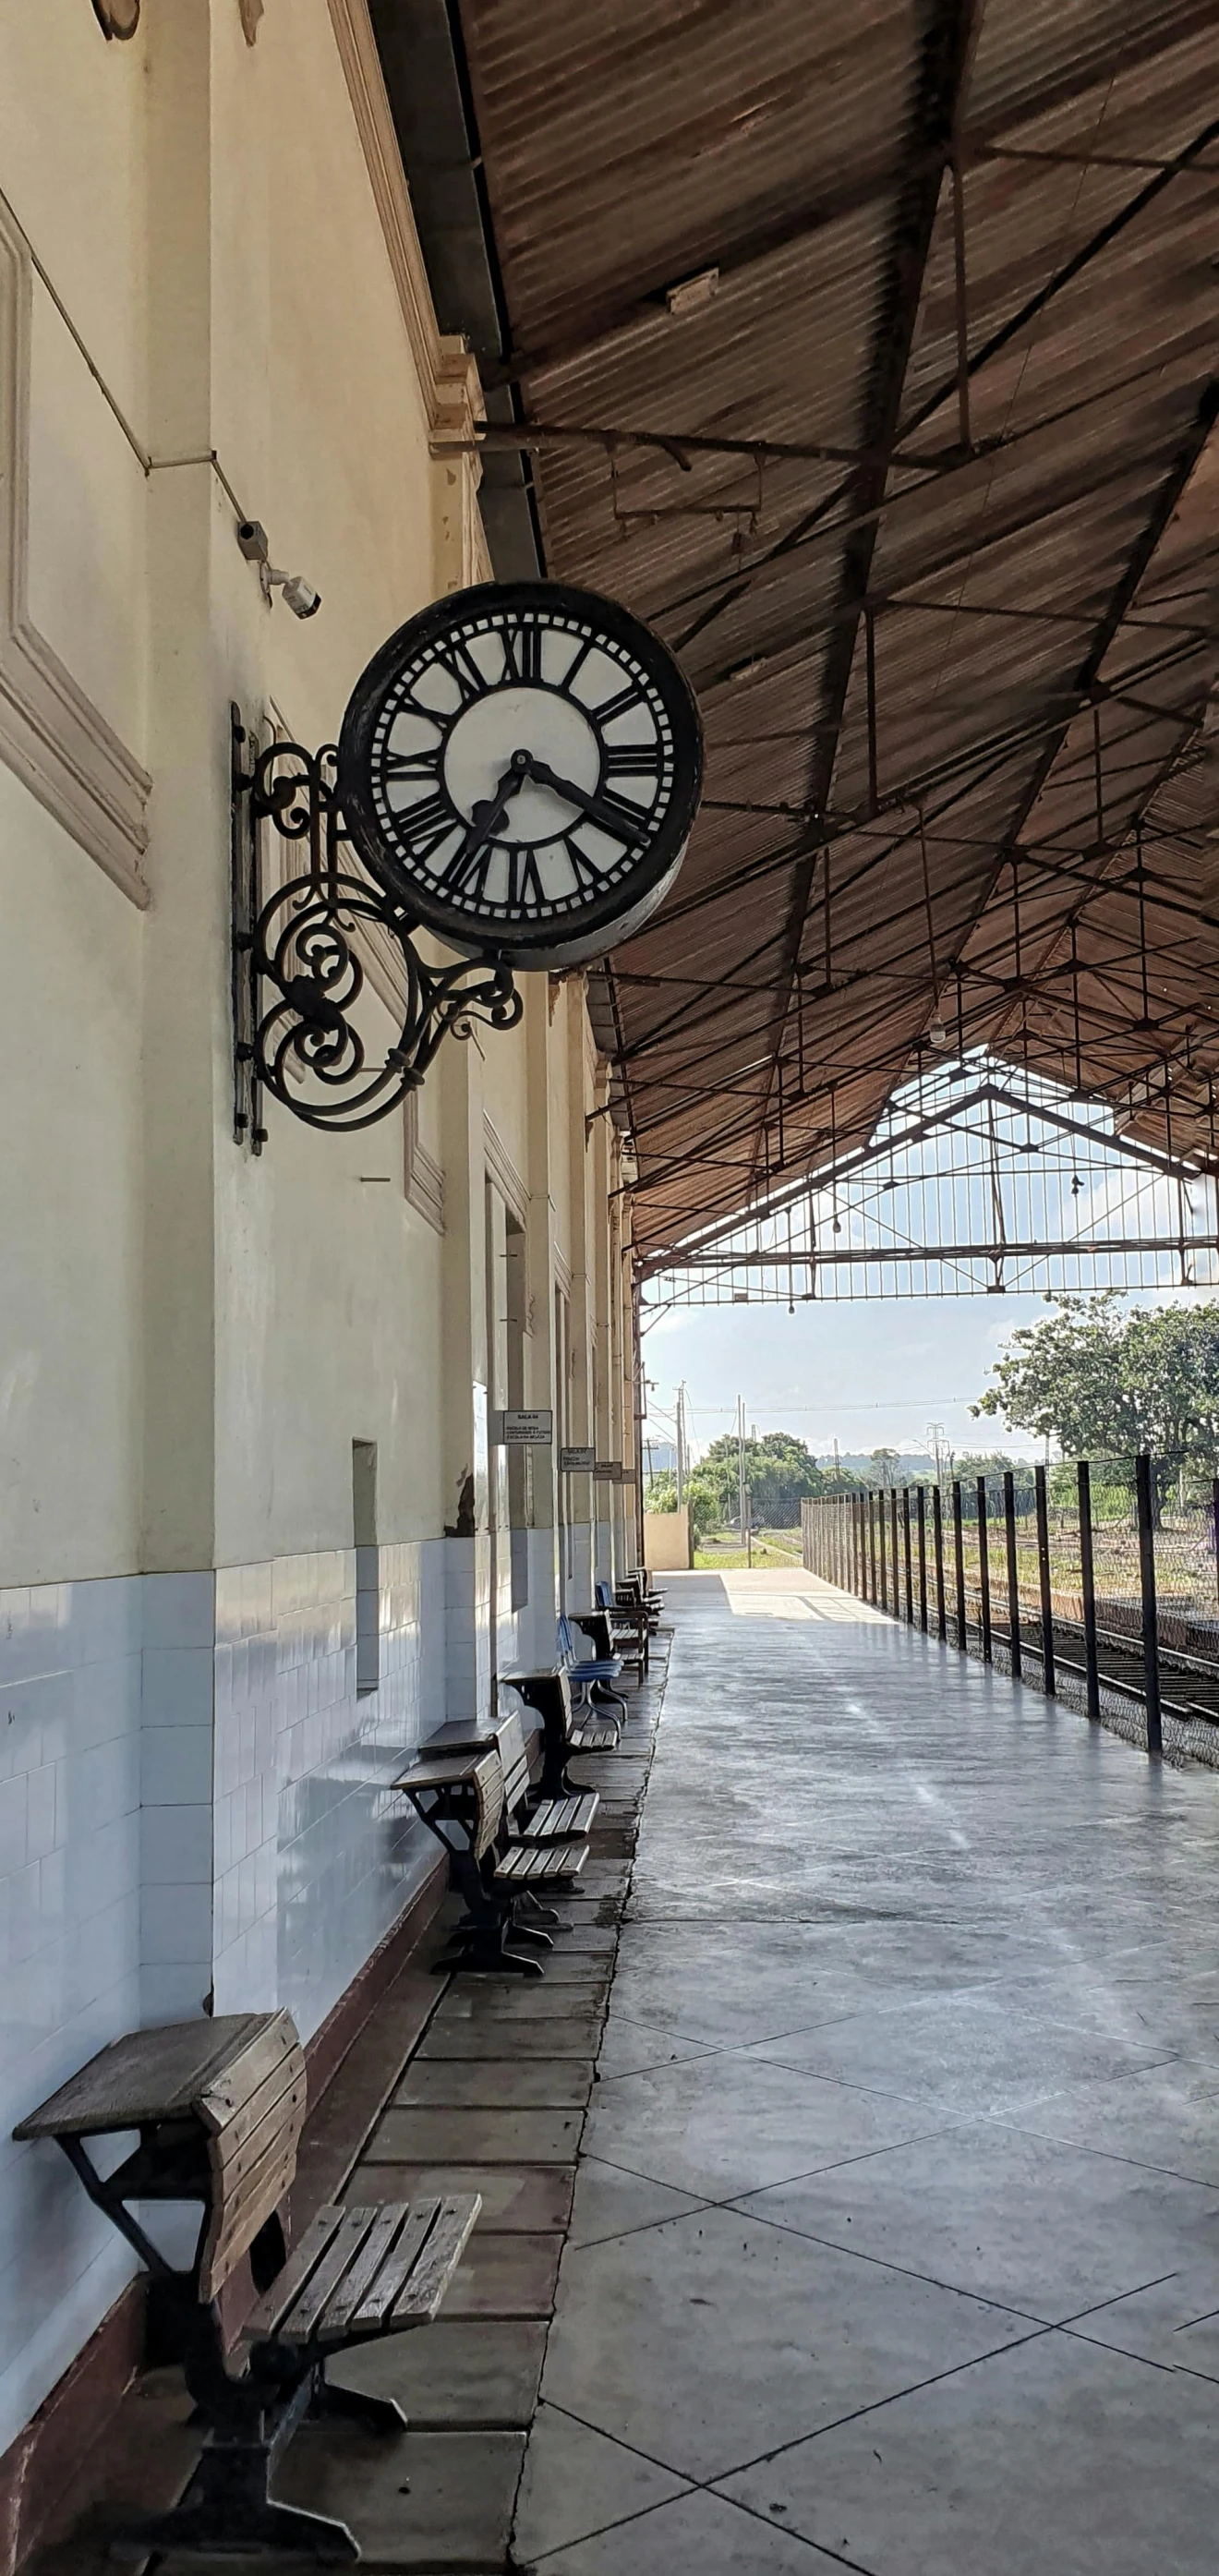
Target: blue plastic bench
(589,1673)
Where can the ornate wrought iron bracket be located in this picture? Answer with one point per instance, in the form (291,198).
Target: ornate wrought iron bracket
(306,949)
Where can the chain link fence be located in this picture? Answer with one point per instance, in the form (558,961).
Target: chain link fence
(1095,1580)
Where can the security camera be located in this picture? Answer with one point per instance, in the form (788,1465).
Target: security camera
(298,594)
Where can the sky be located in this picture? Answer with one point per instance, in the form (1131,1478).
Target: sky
(874,1375)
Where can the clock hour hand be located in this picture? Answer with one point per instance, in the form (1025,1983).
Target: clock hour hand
(610,817)
(486,817)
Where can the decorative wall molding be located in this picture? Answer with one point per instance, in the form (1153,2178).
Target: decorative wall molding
(51,734)
(423,1176)
(504,1173)
(374,122)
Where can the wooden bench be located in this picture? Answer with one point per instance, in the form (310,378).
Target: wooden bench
(624,1626)
(550,1818)
(637,1589)
(219,2107)
(461,1798)
(565,1729)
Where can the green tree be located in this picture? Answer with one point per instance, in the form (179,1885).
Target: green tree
(885,1464)
(660,1492)
(1101,1382)
(779,1472)
(993,1464)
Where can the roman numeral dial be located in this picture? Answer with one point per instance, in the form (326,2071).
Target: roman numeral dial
(521,763)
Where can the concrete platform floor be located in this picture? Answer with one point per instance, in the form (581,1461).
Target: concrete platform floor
(850,2182)
(895,2242)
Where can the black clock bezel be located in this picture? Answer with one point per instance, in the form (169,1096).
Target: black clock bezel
(585,931)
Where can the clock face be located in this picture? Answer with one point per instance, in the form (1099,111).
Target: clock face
(520,767)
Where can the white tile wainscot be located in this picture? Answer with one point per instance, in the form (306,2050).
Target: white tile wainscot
(70,1947)
(314,1860)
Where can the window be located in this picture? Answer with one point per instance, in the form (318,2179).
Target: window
(368,1566)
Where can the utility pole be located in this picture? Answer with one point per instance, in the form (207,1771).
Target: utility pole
(740,1463)
(681,1444)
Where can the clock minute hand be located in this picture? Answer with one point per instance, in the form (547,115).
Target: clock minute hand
(610,817)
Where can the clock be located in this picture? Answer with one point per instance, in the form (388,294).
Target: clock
(519,767)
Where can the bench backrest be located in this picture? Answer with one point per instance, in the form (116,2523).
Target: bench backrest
(566,1648)
(510,1737)
(549,1694)
(488,1778)
(253,2113)
(605,1598)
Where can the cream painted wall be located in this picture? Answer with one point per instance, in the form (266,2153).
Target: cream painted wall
(248,304)
(73,167)
(70,1190)
(191,1336)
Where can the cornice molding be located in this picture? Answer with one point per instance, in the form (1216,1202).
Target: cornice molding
(504,1173)
(361,63)
(423,1176)
(51,733)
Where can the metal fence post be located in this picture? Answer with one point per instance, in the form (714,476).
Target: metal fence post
(937,1534)
(1013,1571)
(883,1568)
(921,1508)
(907,1558)
(1043,1576)
(1087,1580)
(1147,1576)
(896,1577)
(984,1569)
(958,1540)
(871,1547)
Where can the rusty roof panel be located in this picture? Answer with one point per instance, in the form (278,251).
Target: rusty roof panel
(634,144)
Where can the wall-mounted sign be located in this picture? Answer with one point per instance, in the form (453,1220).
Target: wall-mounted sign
(522,1429)
(577,1462)
(608,1471)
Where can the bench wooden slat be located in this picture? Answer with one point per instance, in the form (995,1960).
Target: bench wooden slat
(237,2216)
(148,2075)
(594,1736)
(301,2261)
(377,2302)
(301,2318)
(245,2137)
(430,2278)
(244,2075)
(562,1819)
(360,2275)
(542,1860)
(446,1772)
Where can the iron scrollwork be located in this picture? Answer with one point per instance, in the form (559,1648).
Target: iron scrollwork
(298,974)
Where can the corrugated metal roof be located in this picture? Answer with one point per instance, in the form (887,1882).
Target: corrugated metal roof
(803,152)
